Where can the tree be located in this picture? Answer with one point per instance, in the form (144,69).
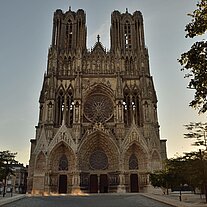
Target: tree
(197,167)
(190,169)
(7,160)
(194,61)
(170,176)
(197,131)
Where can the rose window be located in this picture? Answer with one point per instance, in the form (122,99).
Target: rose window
(98,160)
(98,108)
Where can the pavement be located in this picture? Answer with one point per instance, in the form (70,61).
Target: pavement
(173,199)
(9,199)
(187,199)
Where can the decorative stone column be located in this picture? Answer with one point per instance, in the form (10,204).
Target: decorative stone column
(121,187)
(76,183)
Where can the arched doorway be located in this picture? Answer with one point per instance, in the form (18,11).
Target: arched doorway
(98,155)
(62,184)
(61,166)
(134,183)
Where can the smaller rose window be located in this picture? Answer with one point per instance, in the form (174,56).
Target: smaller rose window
(98,160)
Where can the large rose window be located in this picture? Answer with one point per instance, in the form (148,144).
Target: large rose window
(98,108)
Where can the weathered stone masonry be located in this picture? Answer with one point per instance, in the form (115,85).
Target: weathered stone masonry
(98,129)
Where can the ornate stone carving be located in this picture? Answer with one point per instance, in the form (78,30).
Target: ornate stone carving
(98,108)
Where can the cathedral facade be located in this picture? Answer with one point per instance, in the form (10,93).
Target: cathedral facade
(98,129)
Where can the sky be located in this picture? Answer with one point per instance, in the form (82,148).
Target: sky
(25,37)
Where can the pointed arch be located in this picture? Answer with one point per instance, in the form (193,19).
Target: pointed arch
(40,164)
(69,33)
(127,35)
(127,106)
(98,142)
(156,161)
(59,105)
(136,106)
(62,153)
(136,151)
(69,106)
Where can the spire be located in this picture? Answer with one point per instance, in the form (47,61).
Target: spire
(126,10)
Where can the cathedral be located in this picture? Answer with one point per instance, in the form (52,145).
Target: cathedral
(98,129)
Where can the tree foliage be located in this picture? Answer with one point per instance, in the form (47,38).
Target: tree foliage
(194,61)
(190,169)
(197,131)
(171,176)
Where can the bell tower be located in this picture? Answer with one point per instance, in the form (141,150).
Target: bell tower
(127,31)
(69,30)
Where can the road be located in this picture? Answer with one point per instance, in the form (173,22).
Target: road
(99,200)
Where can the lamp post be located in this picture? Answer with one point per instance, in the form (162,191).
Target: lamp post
(180,196)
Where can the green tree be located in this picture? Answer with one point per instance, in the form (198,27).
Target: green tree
(171,176)
(161,179)
(194,61)
(197,169)
(198,159)
(190,169)
(7,160)
(197,131)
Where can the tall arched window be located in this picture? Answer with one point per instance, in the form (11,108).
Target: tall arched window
(136,108)
(63,163)
(59,107)
(127,107)
(133,162)
(69,108)
(69,33)
(127,35)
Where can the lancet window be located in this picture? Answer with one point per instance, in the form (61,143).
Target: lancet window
(63,163)
(136,108)
(127,35)
(59,107)
(127,108)
(133,162)
(69,33)
(64,107)
(69,108)
(131,107)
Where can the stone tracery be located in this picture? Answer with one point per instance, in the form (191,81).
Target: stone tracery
(98,108)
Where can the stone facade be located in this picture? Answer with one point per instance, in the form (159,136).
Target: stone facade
(98,129)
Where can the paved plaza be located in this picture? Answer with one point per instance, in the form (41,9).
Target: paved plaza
(104,200)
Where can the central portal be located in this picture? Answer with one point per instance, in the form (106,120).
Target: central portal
(98,184)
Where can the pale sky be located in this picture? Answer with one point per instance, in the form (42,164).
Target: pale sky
(25,36)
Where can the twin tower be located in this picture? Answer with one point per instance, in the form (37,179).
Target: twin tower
(98,130)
